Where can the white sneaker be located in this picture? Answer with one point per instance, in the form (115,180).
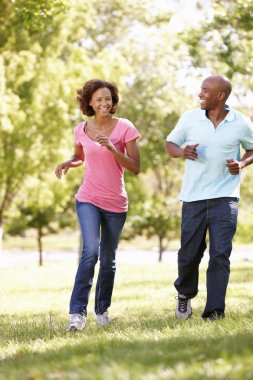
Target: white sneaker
(76,322)
(102,319)
(183,308)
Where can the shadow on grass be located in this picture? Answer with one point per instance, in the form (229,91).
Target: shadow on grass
(133,356)
(25,329)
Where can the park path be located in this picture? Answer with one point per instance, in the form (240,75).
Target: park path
(124,256)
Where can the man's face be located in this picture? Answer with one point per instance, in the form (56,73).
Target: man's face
(209,94)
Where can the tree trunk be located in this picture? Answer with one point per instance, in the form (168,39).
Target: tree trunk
(161,249)
(1,239)
(39,240)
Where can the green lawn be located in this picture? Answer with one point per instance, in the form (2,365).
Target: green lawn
(145,341)
(69,241)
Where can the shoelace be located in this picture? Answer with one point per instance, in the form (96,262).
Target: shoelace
(103,318)
(182,305)
(106,318)
(75,318)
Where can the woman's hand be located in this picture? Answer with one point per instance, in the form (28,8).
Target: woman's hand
(131,160)
(75,161)
(104,141)
(63,168)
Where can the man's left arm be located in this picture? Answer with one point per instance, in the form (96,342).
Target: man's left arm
(235,166)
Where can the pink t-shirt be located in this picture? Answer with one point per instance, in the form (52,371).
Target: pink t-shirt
(103,183)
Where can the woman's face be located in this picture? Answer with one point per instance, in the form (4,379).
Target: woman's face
(101,101)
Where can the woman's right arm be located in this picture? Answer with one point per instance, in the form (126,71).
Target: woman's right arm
(75,161)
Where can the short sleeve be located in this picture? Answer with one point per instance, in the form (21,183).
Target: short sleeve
(131,133)
(178,135)
(247,140)
(77,132)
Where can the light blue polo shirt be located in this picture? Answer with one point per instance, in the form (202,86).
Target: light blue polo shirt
(208,177)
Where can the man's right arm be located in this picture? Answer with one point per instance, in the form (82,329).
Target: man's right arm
(188,152)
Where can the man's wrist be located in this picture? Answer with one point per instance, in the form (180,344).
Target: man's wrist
(242,164)
(182,153)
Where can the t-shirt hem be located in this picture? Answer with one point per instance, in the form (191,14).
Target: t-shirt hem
(183,199)
(97,204)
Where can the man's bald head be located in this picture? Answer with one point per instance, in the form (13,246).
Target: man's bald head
(221,83)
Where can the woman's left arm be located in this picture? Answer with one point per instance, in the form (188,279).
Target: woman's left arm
(130,160)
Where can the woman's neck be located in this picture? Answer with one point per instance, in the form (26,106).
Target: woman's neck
(101,122)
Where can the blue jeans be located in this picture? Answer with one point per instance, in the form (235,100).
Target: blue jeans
(93,222)
(219,216)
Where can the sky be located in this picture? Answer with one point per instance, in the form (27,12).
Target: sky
(190,13)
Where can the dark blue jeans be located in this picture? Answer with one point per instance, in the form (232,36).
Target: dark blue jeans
(101,232)
(219,216)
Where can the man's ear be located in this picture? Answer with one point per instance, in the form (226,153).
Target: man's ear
(221,95)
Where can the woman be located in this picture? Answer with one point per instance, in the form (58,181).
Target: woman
(107,145)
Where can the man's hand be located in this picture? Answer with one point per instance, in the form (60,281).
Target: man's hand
(190,152)
(234,166)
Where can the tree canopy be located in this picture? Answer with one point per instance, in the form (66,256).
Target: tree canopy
(48,49)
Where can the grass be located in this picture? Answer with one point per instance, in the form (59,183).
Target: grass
(145,341)
(69,241)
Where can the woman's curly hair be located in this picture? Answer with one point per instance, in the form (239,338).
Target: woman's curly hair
(84,95)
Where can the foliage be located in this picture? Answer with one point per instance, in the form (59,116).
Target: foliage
(159,218)
(159,213)
(223,42)
(36,16)
(154,100)
(244,232)
(62,42)
(45,205)
(31,112)
(49,48)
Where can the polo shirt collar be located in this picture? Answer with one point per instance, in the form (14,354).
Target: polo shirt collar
(231,114)
(229,117)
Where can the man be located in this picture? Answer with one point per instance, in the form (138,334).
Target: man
(209,139)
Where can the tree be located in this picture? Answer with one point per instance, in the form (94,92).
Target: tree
(154,100)
(49,50)
(158,214)
(35,114)
(46,205)
(223,44)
